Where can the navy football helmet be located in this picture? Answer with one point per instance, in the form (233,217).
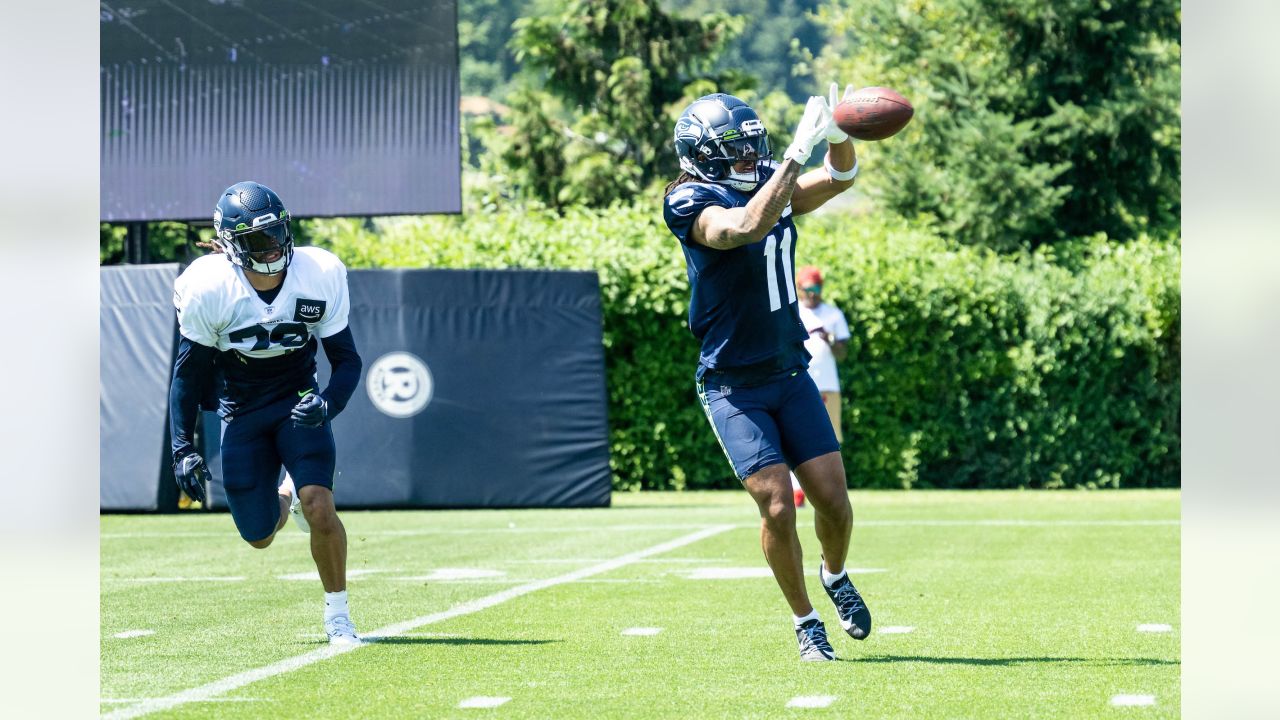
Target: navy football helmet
(252,228)
(716,132)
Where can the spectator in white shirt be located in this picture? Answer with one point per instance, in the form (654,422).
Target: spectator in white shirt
(828,340)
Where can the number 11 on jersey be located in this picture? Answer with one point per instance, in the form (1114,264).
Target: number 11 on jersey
(771,263)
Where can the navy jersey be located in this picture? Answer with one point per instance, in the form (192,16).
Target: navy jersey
(743,304)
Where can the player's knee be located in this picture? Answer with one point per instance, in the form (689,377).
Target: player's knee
(841,509)
(263,543)
(316,503)
(781,511)
(320,513)
(325,523)
(833,505)
(826,488)
(831,495)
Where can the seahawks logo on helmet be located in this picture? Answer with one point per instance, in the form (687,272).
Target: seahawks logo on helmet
(251,226)
(717,132)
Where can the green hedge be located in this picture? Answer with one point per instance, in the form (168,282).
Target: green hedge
(969,369)
(966,369)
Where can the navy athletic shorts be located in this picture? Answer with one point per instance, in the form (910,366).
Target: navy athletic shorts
(254,446)
(783,421)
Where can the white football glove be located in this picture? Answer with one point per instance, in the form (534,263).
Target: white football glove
(812,128)
(834,134)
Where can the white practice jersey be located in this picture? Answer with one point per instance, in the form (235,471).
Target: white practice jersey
(822,368)
(218,307)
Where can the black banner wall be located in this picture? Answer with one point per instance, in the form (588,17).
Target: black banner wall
(137,346)
(481,388)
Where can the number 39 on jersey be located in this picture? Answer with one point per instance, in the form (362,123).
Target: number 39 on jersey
(217,307)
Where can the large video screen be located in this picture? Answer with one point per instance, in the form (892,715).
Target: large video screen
(344,107)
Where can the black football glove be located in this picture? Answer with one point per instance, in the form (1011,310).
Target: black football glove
(191,475)
(310,411)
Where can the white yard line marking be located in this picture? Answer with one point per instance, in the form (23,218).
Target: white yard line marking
(730,573)
(118,701)
(518,580)
(503,529)
(554,561)
(462,581)
(621,581)
(376,638)
(424,635)
(239,680)
(483,702)
(1155,628)
(629,528)
(642,631)
(571,561)
(134,633)
(811,701)
(895,630)
(1013,523)
(313,575)
(1129,700)
(218,578)
(739,573)
(441,574)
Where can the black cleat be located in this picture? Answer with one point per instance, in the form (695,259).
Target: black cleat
(812,635)
(854,615)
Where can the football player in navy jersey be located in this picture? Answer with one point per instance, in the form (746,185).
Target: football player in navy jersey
(249,318)
(733,210)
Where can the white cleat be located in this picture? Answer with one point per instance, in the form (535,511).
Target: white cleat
(295,505)
(812,636)
(341,631)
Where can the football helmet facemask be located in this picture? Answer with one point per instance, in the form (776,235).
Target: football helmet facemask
(717,132)
(252,228)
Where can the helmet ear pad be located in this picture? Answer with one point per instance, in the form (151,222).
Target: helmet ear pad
(706,164)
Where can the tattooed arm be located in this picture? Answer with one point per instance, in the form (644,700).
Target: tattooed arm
(726,228)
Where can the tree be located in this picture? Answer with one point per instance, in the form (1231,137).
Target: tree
(164,241)
(484,29)
(776,44)
(1036,119)
(602,82)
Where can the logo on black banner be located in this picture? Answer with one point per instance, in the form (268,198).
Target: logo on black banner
(399,384)
(309,310)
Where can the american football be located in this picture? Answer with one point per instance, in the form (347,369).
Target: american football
(874,113)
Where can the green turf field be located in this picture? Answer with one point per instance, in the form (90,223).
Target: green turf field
(1019,604)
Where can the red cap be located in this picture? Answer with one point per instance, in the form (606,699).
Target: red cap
(809,275)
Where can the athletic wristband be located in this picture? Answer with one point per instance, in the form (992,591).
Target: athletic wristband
(840,175)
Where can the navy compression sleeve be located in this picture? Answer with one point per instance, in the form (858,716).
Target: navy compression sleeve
(192,370)
(345,364)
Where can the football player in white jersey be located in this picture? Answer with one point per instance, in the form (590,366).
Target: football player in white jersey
(250,317)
